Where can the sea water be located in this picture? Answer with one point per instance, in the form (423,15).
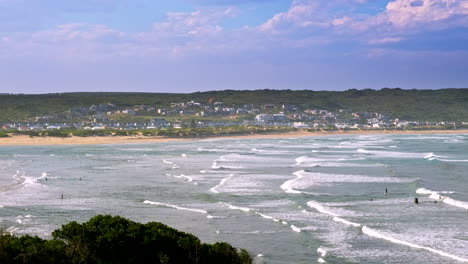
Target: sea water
(334,199)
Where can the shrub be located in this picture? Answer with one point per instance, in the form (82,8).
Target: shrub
(113,239)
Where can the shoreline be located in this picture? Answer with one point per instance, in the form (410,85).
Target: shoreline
(22,140)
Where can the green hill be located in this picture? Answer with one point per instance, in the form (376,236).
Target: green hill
(430,105)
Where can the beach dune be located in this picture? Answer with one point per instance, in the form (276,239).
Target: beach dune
(27,140)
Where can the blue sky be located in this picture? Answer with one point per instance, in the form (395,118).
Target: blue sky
(196,45)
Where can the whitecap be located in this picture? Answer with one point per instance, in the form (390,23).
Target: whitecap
(223,181)
(176,207)
(373,233)
(233,207)
(295,228)
(346,222)
(437,195)
(322,251)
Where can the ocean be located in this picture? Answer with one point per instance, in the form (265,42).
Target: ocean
(330,199)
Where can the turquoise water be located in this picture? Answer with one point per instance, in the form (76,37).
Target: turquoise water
(303,200)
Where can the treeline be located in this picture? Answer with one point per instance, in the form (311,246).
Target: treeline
(108,239)
(423,105)
(169,132)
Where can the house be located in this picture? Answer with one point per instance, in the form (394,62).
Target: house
(159,122)
(129,112)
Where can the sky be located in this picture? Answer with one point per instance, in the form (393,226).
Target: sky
(51,46)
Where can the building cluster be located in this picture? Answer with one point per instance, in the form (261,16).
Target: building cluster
(213,114)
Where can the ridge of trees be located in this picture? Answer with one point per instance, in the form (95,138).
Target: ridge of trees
(113,239)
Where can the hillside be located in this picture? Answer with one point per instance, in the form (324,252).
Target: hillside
(430,105)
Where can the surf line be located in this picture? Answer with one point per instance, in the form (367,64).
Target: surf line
(223,181)
(247,210)
(437,196)
(176,207)
(374,233)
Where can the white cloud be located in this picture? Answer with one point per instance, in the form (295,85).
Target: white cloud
(385,40)
(439,13)
(301,14)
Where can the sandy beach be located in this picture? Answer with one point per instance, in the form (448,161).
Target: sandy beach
(27,140)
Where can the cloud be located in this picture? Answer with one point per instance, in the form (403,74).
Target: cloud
(435,13)
(300,15)
(384,41)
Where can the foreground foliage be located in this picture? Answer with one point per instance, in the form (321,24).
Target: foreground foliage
(108,239)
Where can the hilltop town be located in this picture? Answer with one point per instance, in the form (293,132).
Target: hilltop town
(195,114)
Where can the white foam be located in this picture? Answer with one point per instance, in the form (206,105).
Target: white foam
(167,162)
(321,251)
(437,196)
(307,179)
(176,207)
(373,233)
(321,260)
(184,155)
(346,222)
(321,208)
(182,176)
(448,160)
(391,154)
(11,229)
(295,228)
(431,155)
(223,181)
(268,217)
(287,186)
(311,228)
(233,207)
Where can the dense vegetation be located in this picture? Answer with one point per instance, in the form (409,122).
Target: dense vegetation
(430,105)
(169,132)
(107,239)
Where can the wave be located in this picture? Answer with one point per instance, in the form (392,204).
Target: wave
(305,179)
(321,208)
(295,229)
(167,162)
(437,196)
(268,217)
(176,207)
(431,156)
(223,181)
(374,233)
(233,207)
(346,222)
(322,252)
(182,176)
(287,186)
(247,210)
(391,154)
(331,161)
(215,166)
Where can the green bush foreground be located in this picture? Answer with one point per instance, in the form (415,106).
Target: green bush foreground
(113,239)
